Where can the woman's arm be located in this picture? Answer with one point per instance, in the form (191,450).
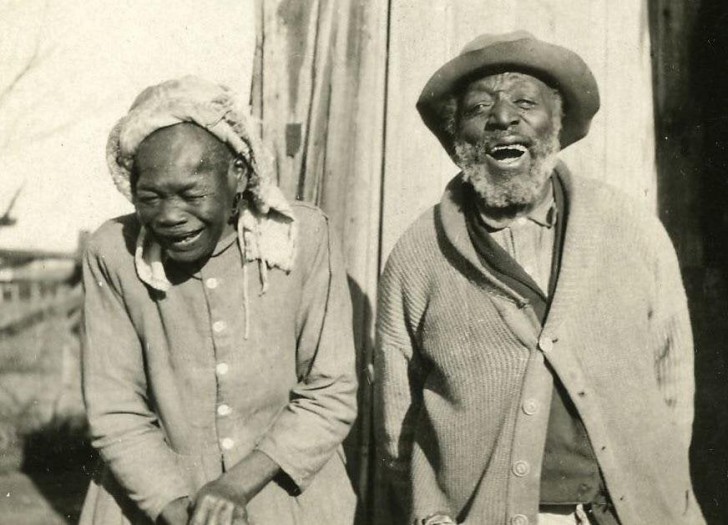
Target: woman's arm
(123,427)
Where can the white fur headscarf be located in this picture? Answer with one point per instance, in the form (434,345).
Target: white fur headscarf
(266,225)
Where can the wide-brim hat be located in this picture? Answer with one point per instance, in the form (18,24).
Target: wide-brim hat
(519,51)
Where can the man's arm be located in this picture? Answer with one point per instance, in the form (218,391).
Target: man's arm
(398,384)
(673,338)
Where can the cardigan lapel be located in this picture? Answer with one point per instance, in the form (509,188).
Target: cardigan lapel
(451,212)
(578,252)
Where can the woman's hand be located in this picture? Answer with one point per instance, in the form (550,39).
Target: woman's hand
(219,503)
(176,512)
(223,501)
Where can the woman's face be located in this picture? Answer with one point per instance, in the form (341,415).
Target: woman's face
(185,185)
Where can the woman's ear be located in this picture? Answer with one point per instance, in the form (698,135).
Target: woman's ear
(238,172)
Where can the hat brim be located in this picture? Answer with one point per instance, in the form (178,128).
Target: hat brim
(557,66)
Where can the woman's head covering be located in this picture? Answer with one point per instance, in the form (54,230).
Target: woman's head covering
(266,225)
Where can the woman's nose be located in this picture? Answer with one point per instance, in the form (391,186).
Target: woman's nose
(169,214)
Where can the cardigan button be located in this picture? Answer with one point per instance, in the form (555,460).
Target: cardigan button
(530,407)
(521,468)
(519,519)
(545,344)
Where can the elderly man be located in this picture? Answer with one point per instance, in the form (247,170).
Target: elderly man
(534,359)
(219,363)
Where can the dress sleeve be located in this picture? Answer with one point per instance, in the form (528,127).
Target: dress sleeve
(124,428)
(322,405)
(673,339)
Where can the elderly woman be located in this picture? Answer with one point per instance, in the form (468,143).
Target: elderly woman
(219,367)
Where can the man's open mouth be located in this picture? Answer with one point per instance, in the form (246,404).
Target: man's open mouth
(507,154)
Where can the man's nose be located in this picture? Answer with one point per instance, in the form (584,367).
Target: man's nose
(503,115)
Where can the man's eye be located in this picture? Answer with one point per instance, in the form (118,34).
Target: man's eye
(478,108)
(525,103)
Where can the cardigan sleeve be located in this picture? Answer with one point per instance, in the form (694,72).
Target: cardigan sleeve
(124,428)
(672,338)
(398,387)
(322,405)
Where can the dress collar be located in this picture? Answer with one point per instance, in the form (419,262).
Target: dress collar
(269,238)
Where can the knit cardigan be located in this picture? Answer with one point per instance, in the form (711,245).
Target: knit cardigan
(464,368)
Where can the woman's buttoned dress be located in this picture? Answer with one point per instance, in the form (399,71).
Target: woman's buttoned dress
(177,391)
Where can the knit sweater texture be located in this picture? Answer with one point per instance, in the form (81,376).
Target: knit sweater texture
(462,364)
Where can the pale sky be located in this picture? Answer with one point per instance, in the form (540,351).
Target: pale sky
(78,66)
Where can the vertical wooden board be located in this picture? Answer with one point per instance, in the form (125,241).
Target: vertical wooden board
(612,38)
(415,165)
(317,117)
(289,35)
(679,133)
(628,108)
(351,186)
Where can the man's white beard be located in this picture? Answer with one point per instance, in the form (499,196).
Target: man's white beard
(504,190)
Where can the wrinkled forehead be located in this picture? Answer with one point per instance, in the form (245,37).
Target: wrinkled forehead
(181,144)
(506,81)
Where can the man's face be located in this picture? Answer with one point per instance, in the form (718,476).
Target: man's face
(184,190)
(506,138)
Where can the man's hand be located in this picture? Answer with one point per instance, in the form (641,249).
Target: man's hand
(177,512)
(220,503)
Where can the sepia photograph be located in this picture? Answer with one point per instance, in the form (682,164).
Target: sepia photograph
(363,262)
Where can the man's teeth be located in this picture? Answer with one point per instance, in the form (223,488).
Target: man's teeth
(508,153)
(518,147)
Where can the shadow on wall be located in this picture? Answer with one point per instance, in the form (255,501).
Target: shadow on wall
(359,444)
(690,45)
(709,295)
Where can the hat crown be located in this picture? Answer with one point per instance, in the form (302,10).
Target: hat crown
(489,39)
